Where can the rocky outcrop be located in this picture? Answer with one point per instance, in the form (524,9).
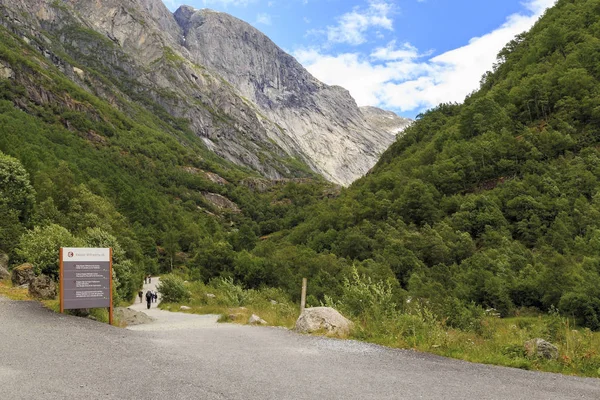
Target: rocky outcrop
(6,72)
(221,202)
(541,349)
(23,274)
(42,287)
(385,120)
(323,319)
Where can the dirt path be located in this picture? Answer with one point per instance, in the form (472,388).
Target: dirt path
(165,320)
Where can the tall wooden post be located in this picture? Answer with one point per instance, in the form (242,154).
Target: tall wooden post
(303,298)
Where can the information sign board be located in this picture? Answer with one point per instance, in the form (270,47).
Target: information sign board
(85,278)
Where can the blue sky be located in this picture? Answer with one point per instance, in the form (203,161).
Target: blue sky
(401,55)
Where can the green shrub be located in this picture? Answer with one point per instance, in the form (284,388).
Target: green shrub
(173,289)
(583,308)
(233,295)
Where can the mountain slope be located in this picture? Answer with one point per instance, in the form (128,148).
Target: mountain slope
(320,121)
(273,117)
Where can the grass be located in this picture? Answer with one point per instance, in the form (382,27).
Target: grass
(235,304)
(499,341)
(14,293)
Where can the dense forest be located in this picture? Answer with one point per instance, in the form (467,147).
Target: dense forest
(491,204)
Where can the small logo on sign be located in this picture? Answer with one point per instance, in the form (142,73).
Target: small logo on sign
(70,254)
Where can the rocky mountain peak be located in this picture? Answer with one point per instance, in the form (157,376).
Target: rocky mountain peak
(250,101)
(321,123)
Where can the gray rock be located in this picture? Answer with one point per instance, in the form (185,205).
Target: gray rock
(185,308)
(131,317)
(4,274)
(210,295)
(323,319)
(541,348)
(256,320)
(42,287)
(6,72)
(274,302)
(22,275)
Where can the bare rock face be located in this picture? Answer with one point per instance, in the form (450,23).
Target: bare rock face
(320,122)
(221,202)
(23,274)
(541,348)
(323,319)
(42,287)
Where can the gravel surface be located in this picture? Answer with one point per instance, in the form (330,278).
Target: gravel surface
(44,355)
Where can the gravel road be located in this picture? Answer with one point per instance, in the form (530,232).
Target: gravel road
(44,355)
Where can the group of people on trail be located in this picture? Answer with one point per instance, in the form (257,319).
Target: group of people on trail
(151,297)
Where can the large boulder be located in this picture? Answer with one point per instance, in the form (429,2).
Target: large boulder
(323,319)
(256,320)
(42,287)
(23,274)
(541,348)
(130,317)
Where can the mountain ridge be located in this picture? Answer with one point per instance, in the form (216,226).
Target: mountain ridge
(269,130)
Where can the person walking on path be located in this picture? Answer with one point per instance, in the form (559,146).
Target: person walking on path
(148,298)
(141,294)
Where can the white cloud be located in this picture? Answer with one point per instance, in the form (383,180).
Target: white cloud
(401,78)
(352,27)
(263,18)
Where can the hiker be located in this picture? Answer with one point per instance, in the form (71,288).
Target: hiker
(155,296)
(148,298)
(141,294)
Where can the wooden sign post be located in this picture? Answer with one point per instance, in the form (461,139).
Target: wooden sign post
(303,296)
(86,279)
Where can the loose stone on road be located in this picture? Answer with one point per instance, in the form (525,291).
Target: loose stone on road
(44,355)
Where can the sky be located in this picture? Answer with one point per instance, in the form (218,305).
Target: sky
(401,55)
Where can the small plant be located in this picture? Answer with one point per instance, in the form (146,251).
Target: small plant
(173,289)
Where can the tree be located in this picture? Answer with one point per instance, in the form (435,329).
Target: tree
(41,247)
(15,187)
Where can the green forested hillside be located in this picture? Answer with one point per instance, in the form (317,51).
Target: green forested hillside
(76,170)
(495,202)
